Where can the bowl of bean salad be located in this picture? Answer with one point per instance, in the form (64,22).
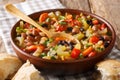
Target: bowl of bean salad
(60,55)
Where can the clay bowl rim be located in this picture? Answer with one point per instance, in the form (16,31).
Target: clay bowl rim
(106,51)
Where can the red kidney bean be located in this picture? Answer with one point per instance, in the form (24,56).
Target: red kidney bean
(35,32)
(30,38)
(37,38)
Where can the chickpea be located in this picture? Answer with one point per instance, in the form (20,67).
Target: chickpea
(58,13)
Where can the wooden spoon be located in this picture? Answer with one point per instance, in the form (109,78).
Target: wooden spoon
(16,12)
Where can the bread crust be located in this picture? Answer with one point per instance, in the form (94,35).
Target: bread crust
(8,65)
(109,69)
(28,72)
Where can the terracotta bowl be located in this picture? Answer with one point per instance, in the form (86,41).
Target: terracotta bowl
(58,67)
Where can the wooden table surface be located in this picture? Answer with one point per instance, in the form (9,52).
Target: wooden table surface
(108,9)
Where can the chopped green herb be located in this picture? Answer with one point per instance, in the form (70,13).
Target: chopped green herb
(99,49)
(109,33)
(43,54)
(81,56)
(48,41)
(53,58)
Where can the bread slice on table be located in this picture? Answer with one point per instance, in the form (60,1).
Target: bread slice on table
(8,65)
(109,69)
(27,72)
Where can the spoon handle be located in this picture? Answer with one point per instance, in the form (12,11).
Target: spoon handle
(16,12)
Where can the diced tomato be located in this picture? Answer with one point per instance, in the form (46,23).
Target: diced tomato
(93,53)
(94,39)
(87,51)
(60,28)
(43,17)
(75,53)
(95,21)
(103,26)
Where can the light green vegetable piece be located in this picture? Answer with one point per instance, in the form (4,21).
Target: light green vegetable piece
(79,36)
(85,24)
(61,51)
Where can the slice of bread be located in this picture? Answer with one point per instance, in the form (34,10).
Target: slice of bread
(109,69)
(27,72)
(8,65)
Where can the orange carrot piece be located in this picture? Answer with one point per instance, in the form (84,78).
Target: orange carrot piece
(59,38)
(87,51)
(42,47)
(69,16)
(95,21)
(32,48)
(43,17)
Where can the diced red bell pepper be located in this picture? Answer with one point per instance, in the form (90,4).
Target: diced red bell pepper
(94,39)
(75,53)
